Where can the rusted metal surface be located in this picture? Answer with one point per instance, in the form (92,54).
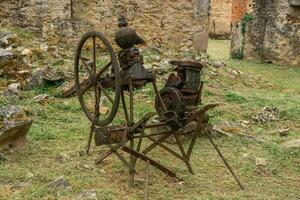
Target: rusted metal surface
(176,104)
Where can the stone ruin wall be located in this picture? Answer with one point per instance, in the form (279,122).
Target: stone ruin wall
(173,23)
(224,15)
(273,36)
(240,8)
(220,20)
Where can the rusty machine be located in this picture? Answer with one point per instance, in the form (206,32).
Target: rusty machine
(104,78)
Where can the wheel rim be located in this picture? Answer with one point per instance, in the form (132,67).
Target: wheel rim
(95,59)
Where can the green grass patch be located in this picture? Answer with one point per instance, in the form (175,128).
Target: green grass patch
(234,97)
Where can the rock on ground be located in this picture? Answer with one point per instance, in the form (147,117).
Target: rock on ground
(13,90)
(268,115)
(36,80)
(63,157)
(47,74)
(42,98)
(60,183)
(14,125)
(6,39)
(218,64)
(88,195)
(6,57)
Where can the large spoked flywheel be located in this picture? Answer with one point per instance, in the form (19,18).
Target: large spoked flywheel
(96,64)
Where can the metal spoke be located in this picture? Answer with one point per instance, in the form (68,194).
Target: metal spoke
(87,67)
(97,103)
(106,93)
(85,88)
(102,70)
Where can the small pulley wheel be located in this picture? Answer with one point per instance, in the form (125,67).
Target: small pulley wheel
(172,99)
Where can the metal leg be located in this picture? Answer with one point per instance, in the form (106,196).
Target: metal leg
(131,172)
(152,162)
(138,148)
(88,147)
(124,106)
(192,144)
(108,153)
(225,161)
(186,158)
(97,115)
(131,140)
(146,195)
(131,102)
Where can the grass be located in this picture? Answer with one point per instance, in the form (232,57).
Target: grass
(61,127)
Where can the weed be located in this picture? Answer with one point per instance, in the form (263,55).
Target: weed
(235,97)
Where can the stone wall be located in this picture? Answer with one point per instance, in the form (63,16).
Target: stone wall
(239,9)
(225,14)
(220,20)
(273,34)
(175,23)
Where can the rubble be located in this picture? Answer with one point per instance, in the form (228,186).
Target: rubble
(41,76)
(6,56)
(35,80)
(218,64)
(6,39)
(261,166)
(268,115)
(284,132)
(88,195)
(14,125)
(26,52)
(63,157)
(60,183)
(42,98)
(53,75)
(13,90)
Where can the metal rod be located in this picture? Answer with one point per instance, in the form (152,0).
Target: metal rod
(153,134)
(131,172)
(94,54)
(108,153)
(152,162)
(102,70)
(185,157)
(85,88)
(121,157)
(167,149)
(199,95)
(88,147)
(158,95)
(192,144)
(154,144)
(87,67)
(124,106)
(131,102)
(225,161)
(146,195)
(138,148)
(106,93)
(131,140)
